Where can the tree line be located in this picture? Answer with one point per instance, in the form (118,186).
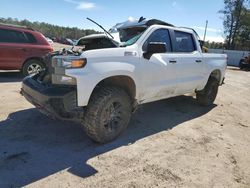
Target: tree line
(215,45)
(52,31)
(236,21)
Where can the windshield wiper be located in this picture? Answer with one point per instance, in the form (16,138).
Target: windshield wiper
(106,32)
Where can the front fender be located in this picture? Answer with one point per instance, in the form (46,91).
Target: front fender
(87,79)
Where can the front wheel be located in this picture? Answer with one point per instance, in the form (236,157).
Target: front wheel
(32,66)
(108,114)
(207,96)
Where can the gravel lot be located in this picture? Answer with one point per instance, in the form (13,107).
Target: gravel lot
(170,143)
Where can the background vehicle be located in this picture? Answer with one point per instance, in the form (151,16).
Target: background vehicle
(245,63)
(50,41)
(100,88)
(22,49)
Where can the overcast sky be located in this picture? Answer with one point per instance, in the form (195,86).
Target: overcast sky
(73,13)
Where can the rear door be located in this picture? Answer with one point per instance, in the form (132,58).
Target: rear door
(188,60)
(12,49)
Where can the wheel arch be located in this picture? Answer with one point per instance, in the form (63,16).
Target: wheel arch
(216,73)
(122,81)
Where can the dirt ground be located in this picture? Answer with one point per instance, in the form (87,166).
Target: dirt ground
(170,143)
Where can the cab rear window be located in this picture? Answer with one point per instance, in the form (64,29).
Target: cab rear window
(184,42)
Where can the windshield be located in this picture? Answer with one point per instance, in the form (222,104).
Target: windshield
(129,36)
(132,40)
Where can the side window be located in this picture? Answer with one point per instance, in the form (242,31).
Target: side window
(11,36)
(4,35)
(184,42)
(30,37)
(160,35)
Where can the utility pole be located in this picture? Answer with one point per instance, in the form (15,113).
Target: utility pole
(205,31)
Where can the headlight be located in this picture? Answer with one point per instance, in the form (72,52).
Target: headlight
(69,62)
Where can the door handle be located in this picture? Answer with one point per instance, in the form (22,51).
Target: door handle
(198,60)
(172,61)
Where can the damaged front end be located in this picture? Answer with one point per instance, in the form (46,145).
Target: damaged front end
(52,92)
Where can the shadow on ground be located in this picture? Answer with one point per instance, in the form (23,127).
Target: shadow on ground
(33,146)
(10,76)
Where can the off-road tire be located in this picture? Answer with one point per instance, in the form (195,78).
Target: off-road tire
(107,114)
(207,96)
(32,62)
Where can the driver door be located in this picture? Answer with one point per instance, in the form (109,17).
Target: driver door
(158,71)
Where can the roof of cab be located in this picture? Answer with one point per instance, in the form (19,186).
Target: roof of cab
(142,22)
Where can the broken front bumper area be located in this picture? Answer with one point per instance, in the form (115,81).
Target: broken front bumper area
(56,101)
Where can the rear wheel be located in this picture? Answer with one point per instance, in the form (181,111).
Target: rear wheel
(32,66)
(108,114)
(207,96)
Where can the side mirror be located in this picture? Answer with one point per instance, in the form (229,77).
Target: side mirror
(202,42)
(155,47)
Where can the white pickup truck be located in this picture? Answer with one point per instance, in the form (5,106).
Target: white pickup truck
(100,88)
